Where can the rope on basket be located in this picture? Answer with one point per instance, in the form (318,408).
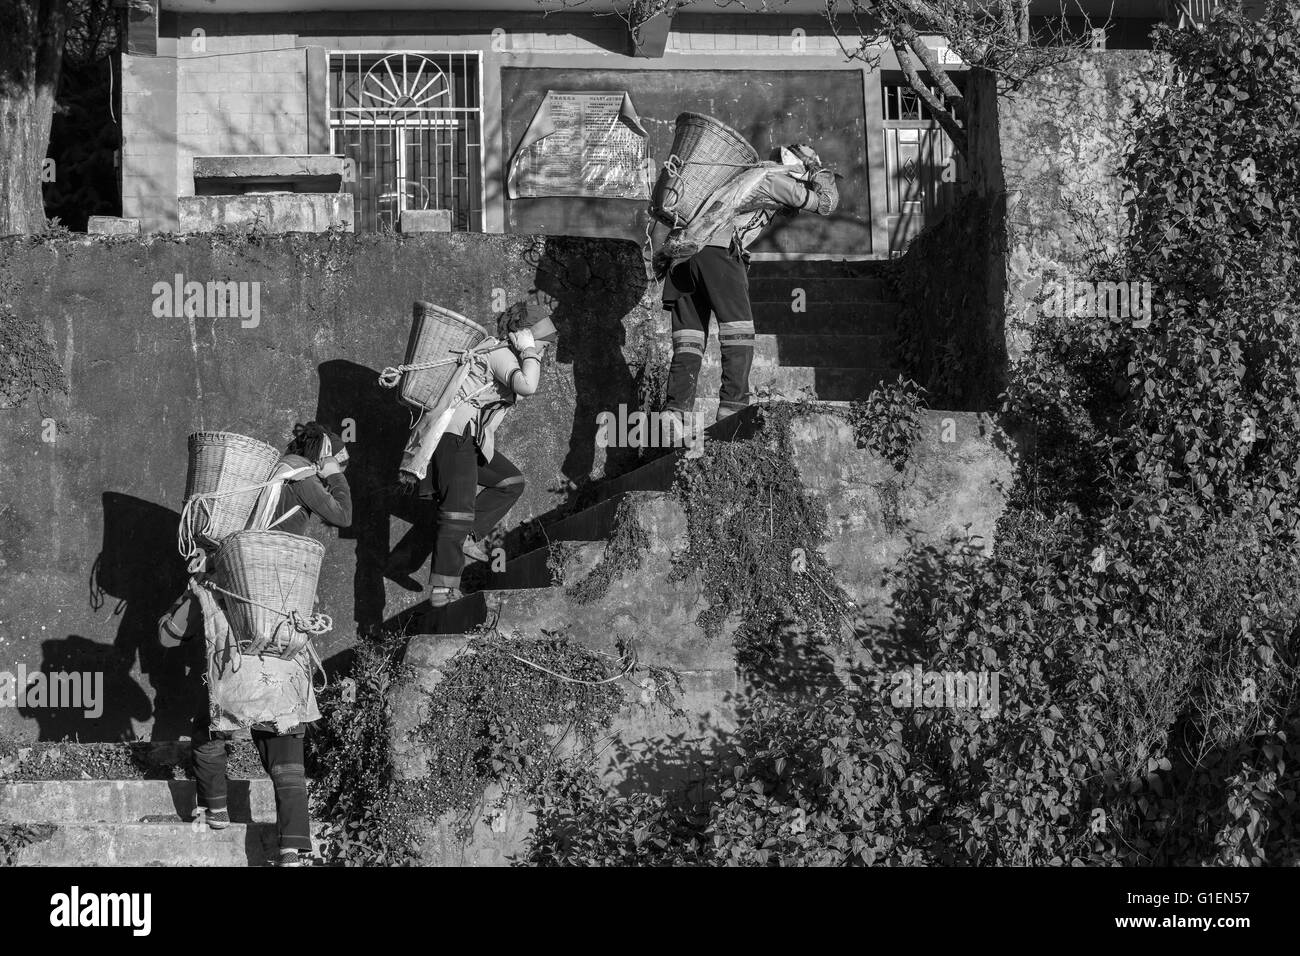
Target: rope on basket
(196,521)
(392,375)
(315,623)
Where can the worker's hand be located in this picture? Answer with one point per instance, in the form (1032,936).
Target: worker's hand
(406,483)
(522,339)
(329,466)
(828,194)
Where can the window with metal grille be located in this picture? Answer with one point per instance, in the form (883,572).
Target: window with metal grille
(902,103)
(411,124)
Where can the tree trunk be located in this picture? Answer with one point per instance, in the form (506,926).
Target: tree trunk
(31,54)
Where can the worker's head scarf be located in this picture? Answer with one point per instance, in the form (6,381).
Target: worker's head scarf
(526,315)
(313,441)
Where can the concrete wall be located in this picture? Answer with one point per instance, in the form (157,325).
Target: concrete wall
(1060,144)
(1044,203)
(91,483)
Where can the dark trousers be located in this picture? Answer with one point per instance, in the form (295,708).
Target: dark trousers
(712,282)
(458,470)
(282,758)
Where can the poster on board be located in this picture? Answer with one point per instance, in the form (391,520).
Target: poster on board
(581,144)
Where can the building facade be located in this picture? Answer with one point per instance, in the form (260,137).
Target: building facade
(417,111)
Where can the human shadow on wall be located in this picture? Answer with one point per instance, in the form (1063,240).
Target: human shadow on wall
(591,293)
(105,698)
(139,565)
(380,426)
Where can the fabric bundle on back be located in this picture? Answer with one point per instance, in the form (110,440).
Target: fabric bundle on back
(261,659)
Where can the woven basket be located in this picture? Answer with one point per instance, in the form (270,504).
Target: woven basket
(706,153)
(221,461)
(274,569)
(434,334)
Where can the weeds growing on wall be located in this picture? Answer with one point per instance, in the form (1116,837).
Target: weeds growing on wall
(513,710)
(28,365)
(524,713)
(755,537)
(623,554)
(356,789)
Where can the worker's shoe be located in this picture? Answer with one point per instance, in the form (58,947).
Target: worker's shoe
(441,597)
(474,550)
(292,858)
(216,819)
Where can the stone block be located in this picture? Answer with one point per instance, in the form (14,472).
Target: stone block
(112,226)
(426,220)
(268,212)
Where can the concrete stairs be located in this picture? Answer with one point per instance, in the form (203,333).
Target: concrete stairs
(138,823)
(838,348)
(835,349)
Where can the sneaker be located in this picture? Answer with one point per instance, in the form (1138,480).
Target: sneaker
(441,597)
(216,819)
(474,550)
(291,858)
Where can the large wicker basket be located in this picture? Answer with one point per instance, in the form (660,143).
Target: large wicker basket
(706,153)
(435,333)
(273,576)
(221,462)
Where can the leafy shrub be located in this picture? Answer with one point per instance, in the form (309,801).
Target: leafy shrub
(888,421)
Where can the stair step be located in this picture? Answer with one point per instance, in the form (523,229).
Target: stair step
(584,536)
(533,569)
(629,609)
(827,383)
(125,801)
(152,844)
(818,290)
(821,268)
(825,318)
(812,351)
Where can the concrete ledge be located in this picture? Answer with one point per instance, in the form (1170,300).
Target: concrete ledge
(125,801)
(112,226)
(300,173)
(151,844)
(267,212)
